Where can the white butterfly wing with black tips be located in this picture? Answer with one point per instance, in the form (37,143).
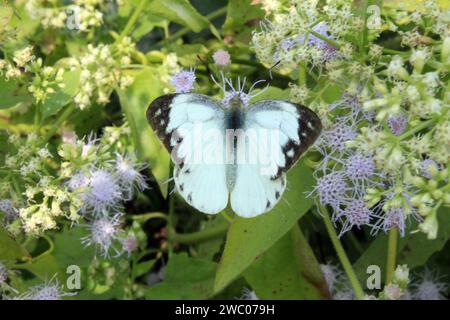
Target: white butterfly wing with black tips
(259,186)
(174,118)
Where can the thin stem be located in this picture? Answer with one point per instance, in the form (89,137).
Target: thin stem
(391,254)
(359,293)
(132,21)
(417,128)
(201,236)
(150,215)
(63,117)
(327,40)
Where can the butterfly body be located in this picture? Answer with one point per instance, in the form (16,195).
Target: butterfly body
(241,153)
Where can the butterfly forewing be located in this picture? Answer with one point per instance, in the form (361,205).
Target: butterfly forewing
(182,122)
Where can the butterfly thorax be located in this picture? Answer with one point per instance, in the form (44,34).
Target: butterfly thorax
(235,115)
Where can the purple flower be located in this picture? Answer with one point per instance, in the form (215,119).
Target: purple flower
(359,166)
(429,287)
(130,244)
(51,290)
(338,135)
(104,231)
(221,58)
(331,189)
(7,206)
(184,81)
(426,164)
(356,214)
(103,192)
(329,51)
(129,176)
(397,123)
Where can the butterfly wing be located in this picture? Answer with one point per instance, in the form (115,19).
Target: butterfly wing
(292,129)
(185,124)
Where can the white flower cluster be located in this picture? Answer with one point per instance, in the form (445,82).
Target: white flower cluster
(81,15)
(45,80)
(101,70)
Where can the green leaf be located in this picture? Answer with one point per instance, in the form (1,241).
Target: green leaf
(288,270)
(414,249)
(144,267)
(185,278)
(9,248)
(61,96)
(45,268)
(179,11)
(208,249)
(145,89)
(12,93)
(242,18)
(69,250)
(249,238)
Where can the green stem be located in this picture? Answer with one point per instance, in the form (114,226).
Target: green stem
(58,123)
(213,15)
(391,254)
(126,108)
(201,236)
(359,293)
(327,40)
(148,216)
(417,128)
(137,12)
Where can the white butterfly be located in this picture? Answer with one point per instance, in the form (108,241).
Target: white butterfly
(231,170)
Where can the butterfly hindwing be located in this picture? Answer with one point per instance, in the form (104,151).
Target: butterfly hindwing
(298,125)
(260,185)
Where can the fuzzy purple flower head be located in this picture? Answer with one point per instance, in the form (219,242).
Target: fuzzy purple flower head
(397,124)
(221,58)
(331,189)
(184,81)
(427,164)
(359,166)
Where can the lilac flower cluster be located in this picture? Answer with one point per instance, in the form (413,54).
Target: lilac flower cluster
(346,174)
(102,188)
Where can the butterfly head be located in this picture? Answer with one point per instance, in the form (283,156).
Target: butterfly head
(234,96)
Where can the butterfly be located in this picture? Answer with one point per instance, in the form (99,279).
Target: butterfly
(194,127)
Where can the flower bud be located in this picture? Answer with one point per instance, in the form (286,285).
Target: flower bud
(430,226)
(401,276)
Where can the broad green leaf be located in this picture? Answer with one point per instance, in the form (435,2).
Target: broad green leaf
(288,270)
(185,278)
(45,268)
(144,267)
(208,249)
(414,249)
(61,96)
(249,238)
(9,248)
(179,11)
(69,249)
(242,18)
(12,93)
(271,93)
(140,94)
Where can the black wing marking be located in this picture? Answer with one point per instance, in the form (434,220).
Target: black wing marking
(309,128)
(158,117)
